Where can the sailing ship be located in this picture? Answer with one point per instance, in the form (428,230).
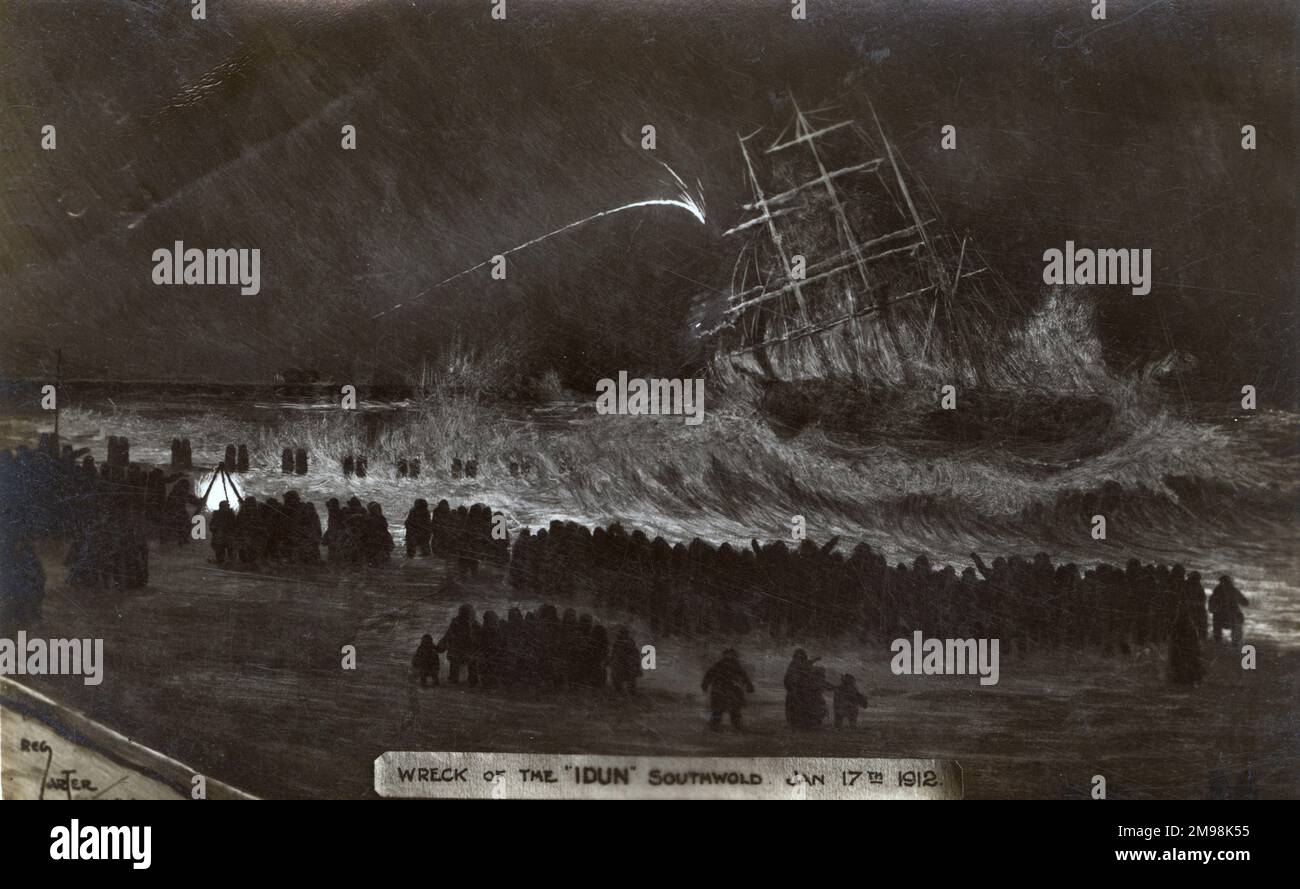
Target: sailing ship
(844,270)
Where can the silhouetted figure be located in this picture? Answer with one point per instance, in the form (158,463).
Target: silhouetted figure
(83,559)
(441,539)
(414,467)
(798,682)
(333,529)
(403,467)
(176,452)
(426,662)
(222,531)
(814,697)
(187,454)
(241,461)
(89,474)
(349,466)
(727,682)
(176,513)
(519,556)
(353,536)
(457,468)
(300,461)
(361,466)
(232,460)
(250,531)
(624,662)
(377,543)
(302,530)
(1184,646)
(275,538)
(846,700)
(1226,603)
(490,650)
(286,460)
(471,469)
(459,643)
(419,529)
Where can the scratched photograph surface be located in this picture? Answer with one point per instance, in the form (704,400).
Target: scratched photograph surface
(586,400)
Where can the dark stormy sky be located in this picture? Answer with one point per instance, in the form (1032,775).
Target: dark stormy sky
(475,135)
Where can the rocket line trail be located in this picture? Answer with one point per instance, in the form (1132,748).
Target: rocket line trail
(685,201)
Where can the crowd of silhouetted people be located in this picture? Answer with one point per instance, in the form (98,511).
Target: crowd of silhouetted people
(467,534)
(109,513)
(106,513)
(353,534)
(277,530)
(541,648)
(813,591)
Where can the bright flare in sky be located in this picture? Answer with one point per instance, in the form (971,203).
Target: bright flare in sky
(693,204)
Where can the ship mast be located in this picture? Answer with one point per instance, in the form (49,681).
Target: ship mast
(907,196)
(761,203)
(826,294)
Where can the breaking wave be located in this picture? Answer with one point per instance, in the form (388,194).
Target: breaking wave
(1015,469)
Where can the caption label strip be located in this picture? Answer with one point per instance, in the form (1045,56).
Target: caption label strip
(408,774)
